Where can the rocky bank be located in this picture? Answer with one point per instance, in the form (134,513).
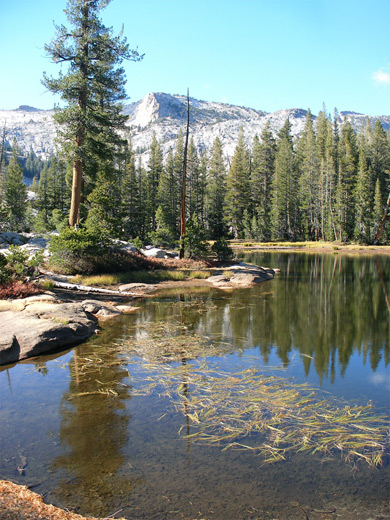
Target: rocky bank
(45,323)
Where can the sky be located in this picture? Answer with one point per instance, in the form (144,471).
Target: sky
(263,54)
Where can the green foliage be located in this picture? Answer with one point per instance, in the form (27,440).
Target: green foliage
(238,188)
(285,188)
(18,266)
(15,195)
(215,192)
(137,243)
(195,244)
(73,249)
(222,249)
(163,236)
(59,220)
(89,251)
(93,89)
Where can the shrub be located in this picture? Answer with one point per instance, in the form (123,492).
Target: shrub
(222,249)
(15,289)
(137,242)
(77,250)
(17,266)
(89,251)
(195,239)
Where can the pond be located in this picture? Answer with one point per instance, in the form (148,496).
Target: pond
(264,403)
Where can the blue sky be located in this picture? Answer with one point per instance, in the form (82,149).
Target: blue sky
(264,54)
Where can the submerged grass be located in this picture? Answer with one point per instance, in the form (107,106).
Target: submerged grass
(269,414)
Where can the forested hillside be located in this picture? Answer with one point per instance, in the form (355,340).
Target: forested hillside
(328,184)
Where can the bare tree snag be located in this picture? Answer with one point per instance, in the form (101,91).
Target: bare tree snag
(183,191)
(382,222)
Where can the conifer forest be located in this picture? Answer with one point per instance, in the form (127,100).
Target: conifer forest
(328,184)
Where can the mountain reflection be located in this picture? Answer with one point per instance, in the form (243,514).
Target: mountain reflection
(326,307)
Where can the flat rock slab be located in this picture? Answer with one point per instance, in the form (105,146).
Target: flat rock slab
(40,324)
(26,335)
(134,287)
(243,275)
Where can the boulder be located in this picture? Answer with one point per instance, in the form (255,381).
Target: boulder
(131,287)
(27,334)
(127,309)
(248,278)
(11,238)
(243,275)
(101,310)
(154,252)
(218,279)
(124,246)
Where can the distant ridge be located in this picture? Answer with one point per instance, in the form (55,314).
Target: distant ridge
(165,114)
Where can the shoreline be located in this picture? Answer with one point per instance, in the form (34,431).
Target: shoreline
(309,247)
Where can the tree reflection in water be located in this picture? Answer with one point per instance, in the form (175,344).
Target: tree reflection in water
(325,306)
(95,428)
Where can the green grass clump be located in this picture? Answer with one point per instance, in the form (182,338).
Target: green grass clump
(99,280)
(46,285)
(199,275)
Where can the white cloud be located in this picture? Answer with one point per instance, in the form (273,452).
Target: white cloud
(381,77)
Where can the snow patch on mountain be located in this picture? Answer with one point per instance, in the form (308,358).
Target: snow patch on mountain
(165,115)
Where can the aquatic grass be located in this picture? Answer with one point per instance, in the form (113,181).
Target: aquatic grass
(264,411)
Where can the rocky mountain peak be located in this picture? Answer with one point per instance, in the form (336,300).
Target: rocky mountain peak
(165,115)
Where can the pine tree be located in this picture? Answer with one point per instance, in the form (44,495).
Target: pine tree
(15,194)
(377,208)
(215,192)
(93,91)
(262,172)
(284,212)
(193,171)
(238,187)
(345,190)
(131,207)
(153,174)
(328,181)
(309,180)
(363,199)
(169,191)
(378,154)
(105,213)
(44,201)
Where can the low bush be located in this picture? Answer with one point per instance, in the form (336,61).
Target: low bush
(17,289)
(222,249)
(91,252)
(18,266)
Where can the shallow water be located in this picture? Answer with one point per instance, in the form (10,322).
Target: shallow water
(324,320)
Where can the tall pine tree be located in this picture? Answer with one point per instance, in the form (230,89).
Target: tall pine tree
(284,212)
(215,192)
(238,198)
(93,92)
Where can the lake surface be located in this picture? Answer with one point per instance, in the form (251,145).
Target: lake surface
(107,427)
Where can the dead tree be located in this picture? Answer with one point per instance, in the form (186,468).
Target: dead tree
(184,184)
(382,222)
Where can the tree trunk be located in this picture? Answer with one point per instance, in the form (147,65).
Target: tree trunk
(74,214)
(382,223)
(183,193)
(77,180)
